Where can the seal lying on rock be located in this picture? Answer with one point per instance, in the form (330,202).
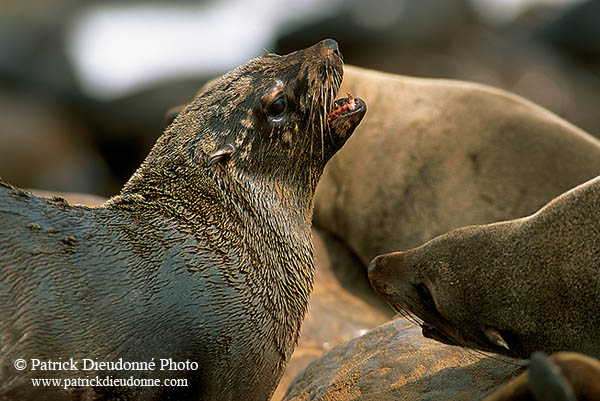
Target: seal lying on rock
(204,258)
(514,287)
(433,155)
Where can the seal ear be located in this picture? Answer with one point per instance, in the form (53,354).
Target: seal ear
(221,155)
(171,115)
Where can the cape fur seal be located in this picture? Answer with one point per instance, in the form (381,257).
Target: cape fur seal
(433,155)
(205,256)
(513,287)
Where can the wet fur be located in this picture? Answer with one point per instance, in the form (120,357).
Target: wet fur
(198,258)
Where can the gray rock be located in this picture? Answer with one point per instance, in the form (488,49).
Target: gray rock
(395,362)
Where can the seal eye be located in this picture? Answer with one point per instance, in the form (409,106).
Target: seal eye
(424,295)
(278,106)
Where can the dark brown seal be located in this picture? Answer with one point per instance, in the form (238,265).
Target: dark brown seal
(204,257)
(514,287)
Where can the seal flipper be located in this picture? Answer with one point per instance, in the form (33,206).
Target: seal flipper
(547,381)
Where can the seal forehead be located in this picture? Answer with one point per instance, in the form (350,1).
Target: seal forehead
(225,102)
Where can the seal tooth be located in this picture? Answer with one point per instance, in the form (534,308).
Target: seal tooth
(495,338)
(351,101)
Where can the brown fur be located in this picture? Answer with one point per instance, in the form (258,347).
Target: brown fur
(531,283)
(433,155)
(205,255)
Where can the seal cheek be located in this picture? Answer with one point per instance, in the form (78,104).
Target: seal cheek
(287,138)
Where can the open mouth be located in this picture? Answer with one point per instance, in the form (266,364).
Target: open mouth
(346,106)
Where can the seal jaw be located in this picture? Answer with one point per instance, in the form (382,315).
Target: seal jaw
(347,106)
(346,115)
(431,332)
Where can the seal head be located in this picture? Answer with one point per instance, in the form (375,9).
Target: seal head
(512,287)
(270,119)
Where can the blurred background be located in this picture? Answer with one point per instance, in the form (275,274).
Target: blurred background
(84,84)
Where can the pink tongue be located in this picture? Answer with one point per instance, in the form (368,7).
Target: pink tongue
(338,110)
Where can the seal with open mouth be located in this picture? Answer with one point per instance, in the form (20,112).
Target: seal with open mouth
(204,258)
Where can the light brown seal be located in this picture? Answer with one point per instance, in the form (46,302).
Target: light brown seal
(514,287)
(204,258)
(433,155)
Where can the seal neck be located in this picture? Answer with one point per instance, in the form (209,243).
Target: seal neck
(266,226)
(270,215)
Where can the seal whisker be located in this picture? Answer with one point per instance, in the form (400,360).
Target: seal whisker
(322,123)
(489,355)
(406,313)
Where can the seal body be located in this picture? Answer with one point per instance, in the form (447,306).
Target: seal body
(433,155)
(513,287)
(205,256)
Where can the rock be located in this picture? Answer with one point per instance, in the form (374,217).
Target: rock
(395,362)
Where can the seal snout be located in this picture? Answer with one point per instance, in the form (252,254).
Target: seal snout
(386,271)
